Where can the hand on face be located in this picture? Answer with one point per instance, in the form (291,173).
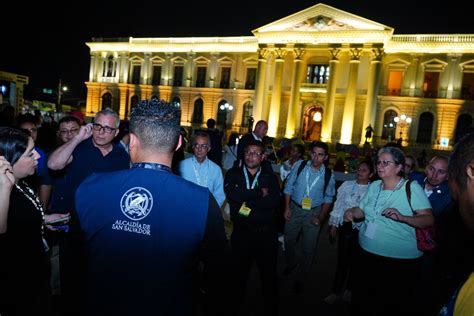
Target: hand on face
(7,179)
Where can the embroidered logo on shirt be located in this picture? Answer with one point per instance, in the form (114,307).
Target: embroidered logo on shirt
(136,203)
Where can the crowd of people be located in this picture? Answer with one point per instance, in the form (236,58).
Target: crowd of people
(138,231)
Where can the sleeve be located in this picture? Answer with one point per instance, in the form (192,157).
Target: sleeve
(291,179)
(337,214)
(218,187)
(272,200)
(419,201)
(330,190)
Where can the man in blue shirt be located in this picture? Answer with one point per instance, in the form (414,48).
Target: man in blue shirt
(145,228)
(306,207)
(201,170)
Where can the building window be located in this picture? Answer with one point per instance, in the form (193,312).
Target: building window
(251,77)
(156,81)
(134,101)
(221,114)
(136,74)
(107,100)
(225,78)
(111,67)
(394,84)
(197,113)
(178,76)
(463,126)
(247,113)
(430,85)
(389,125)
(318,74)
(467,89)
(201,77)
(425,128)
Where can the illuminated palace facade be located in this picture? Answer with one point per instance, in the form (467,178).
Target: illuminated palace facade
(320,73)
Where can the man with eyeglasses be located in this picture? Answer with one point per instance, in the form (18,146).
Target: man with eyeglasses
(308,197)
(201,170)
(90,151)
(253,193)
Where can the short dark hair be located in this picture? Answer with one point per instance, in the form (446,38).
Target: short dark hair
(211,123)
(156,124)
(70,118)
(321,145)
(257,143)
(26,118)
(462,155)
(300,149)
(13,143)
(202,134)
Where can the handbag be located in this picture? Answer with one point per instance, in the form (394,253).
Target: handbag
(425,237)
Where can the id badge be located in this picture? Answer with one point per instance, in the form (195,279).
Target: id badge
(370,230)
(244,210)
(306,203)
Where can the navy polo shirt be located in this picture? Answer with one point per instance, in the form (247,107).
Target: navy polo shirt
(143,229)
(87,159)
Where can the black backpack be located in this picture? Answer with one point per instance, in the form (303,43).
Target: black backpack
(327,174)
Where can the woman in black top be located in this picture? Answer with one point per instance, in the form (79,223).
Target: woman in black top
(24,268)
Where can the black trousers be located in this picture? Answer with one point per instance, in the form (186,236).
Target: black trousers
(347,248)
(261,247)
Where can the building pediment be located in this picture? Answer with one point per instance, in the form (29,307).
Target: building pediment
(323,24)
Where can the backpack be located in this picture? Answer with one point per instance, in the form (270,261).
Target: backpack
(327,174)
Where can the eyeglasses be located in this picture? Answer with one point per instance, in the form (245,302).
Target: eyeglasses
(384,163)
(253,154)
(318,154)
(97,127)
(69,131)
(201,146)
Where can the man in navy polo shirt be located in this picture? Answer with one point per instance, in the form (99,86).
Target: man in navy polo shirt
(145,228)
(89,151)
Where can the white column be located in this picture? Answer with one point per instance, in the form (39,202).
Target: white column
(453,88)
(349,104)
(372,91)
(167,69)
(326,133)
(145,69)
(295,93)
(189,70)
(260,88)
(213,68)
(274,117)
(93,67)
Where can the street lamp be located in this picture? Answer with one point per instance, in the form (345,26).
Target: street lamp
(226,107)
(61,90)
(403,121)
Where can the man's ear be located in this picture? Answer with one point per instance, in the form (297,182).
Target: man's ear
(133,142)
(180,142)
(470,172)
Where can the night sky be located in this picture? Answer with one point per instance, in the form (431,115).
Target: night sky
(53,46)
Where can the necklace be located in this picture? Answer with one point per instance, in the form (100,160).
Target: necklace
(30,195)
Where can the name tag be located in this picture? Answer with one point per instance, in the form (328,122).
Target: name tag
(244,210)
(370,230)
(306,203)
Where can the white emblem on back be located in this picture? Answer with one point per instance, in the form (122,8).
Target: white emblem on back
(136,203)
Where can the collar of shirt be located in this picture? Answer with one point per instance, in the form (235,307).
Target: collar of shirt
(256,137)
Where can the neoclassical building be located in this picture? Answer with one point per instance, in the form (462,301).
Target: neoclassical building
(321,73)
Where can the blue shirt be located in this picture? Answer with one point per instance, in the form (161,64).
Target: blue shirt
(206,174)
(296,186)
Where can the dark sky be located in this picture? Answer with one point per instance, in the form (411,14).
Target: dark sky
(53,46)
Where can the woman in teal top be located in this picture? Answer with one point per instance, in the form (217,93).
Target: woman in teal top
(387,268)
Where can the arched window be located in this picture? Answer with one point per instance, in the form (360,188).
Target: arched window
(107,100)
(389,125)
(463,126)
(247,113)
(425,128)
(197,113)
(221,114)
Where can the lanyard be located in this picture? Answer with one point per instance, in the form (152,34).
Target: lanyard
(308,187)
(399,184)
(151,165)
(247,182)
(357,194)
(196,172)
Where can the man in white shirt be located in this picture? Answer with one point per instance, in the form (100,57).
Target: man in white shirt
(201,170)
